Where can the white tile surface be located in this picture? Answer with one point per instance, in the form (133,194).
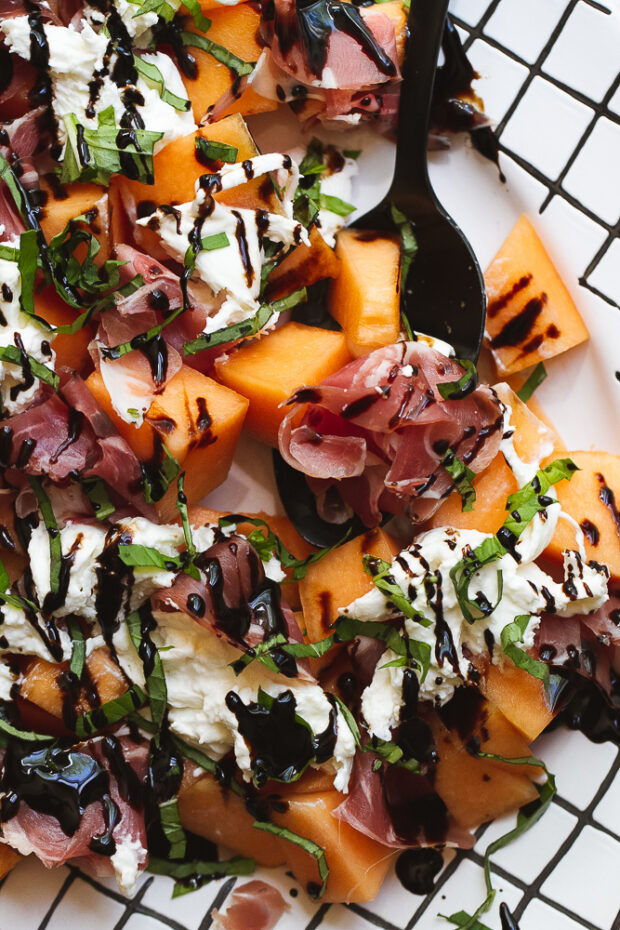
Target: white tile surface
(188,909)
(588,177)
(394,900)
(546,143)
(578,764)
(470,11)
(614,103)
(79,901)
(142,922)
(607,811)
(539,915)
(581,240)
(500,78)
(606,275)
(465,891)
(527,856)
(585,56)
(586,879)
(511,24)
(17,889)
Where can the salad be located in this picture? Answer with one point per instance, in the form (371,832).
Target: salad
(195,692)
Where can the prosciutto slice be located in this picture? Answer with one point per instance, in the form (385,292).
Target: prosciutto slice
(254,906)
(31,831)
(378,429)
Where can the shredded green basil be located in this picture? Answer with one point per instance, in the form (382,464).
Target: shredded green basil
(15,356)
(139,341)
(409,245)
(409,651)
(278,644)
(221,54)
(463,919)
(462,477)
(110,713)
(313,849)
(170,820)
(380,572)
(95,155)
(8,731)
(154,78)
(191,875)
(155,486)
(534,381)
(78,651)
(511,636)
(138,556)
(139,631)
(27,263)
(466,384)
(97,493)
(182,508)
(47,512)
(216,151)
(336,205)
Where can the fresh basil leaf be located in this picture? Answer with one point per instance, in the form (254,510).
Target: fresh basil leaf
(352,153)
(78,652)
(421,653)
(138,556)
(170,820)
(154,78)
(95,155)
(463,572)
(336,205)
(97,493)
(47,512)
(221,54)
(466,384)
(534,381)
(307,203)
(27,264)
(110,713)
(406,328)
(16,357)
(9,253)
(245,328)
(313,849)
(82,272)
(266,650)
(182,508)
(408,243)
(524,504)
(216,241)
(313,160)
(463,919)
(511,635)
(10,731)
(391,753)
(139,625)
(462,477)
(197,867)
(4,577)
(156,484)
(216,151)
(348,628)
(380,572)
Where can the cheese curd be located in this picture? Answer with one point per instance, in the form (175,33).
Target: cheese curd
(19,330)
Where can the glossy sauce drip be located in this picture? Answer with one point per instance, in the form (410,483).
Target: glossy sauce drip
(240,234)
(361,405)
(416,869)
(147,649)
(311,25)
(113,579)
(508,921)
(281,747)
(590,531)
(504,299)
(26,449)
(444,643)
(170,34)
(414,735)
(518,328)
(235,621)
(42,94)
(607,497)
(74,431)
(55,781)
(27,376)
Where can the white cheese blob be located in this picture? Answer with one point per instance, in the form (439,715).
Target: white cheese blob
(127,862)
(234,271)
(34,340)
(21,637)
(7,680)
(76,55)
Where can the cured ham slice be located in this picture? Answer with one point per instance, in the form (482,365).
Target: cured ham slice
(378,429)
(254,906)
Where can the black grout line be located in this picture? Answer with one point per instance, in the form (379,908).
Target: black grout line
(374,919)
(59,896)
(218,900)
(133,904)
(317,919)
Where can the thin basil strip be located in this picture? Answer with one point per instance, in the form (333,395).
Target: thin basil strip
(409,247)
(15,356)
(27,264)
(511,635)
(78,652)
(156,485)
(182,508)
(313,849)
(245,328)
(170,820)
(138,556)
(221,54)
(462,477)
(278,643)
(534,381)
(26,736)
(466,384)
(463,919)
(216,151)
(336,205)
(139,341)
(97,493)
(380,572)
(153,76)
(95,155)
(9,253)
(184,870)
(47,512)
(110,713)
(139,627)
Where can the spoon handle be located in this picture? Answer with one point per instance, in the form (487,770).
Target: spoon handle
(425,25)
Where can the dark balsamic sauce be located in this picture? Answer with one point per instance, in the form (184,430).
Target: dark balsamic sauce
(518,328)
(590,531)
(504,299)
(508,921)
(607,497)
(416,869)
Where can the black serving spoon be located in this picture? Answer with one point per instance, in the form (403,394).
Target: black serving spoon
(443,294)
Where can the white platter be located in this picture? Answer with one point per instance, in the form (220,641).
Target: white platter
(548,73)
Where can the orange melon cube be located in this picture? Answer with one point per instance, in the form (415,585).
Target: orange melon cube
(268,370)
(592,498)
(71,350)
(305,265)
(338,579)
(365,297)
(235,28)
(78,199)
(40,683)
(477,790)
(530,315)
(198,420)
(519,696)
(8,859)
(532,441)
(176,169)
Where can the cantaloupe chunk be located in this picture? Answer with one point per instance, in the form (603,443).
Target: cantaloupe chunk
(592,498)
(365,297)
(305,265)
(519,696)
(199,422)
(532,441)
(235,28)
(477,790)
(530,315)
(357,864)
(78,199)
(268,370)
(8,859)
(338,579)
(40,683)
(71,350)
(176,170)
